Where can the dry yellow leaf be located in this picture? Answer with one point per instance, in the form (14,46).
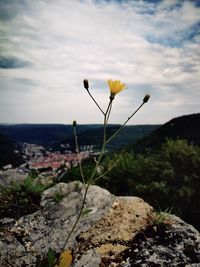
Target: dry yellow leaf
(65,259)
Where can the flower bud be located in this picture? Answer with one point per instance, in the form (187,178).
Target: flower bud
(112,96)
(86,84)
(146,98)
(74,124)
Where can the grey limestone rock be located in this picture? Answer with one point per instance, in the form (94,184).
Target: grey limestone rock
(32,235)
(175,245)
(115,231)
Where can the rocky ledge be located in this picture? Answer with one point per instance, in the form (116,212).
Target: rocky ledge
(112,231)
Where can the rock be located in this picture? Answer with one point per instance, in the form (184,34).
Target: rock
(126,217)
(112,231)
(177,244)
(90,259)
(49,227)
(7,177)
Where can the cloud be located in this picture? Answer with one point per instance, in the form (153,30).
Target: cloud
(49,47)
(10,9)
(12,63)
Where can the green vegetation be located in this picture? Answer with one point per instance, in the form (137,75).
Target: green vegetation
(129,135)
(184,127)
(74,174)
(49,260)
(169,177)
(58,197)
(161,218)
(21,198)
(85,212)
(7,152)
(28,185)
(52,135)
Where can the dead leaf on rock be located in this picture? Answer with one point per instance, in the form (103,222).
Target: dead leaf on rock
(65,259)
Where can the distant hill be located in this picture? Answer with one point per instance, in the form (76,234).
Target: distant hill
(55,134)
(8,153)
(41,134)
(128,135)
(184,127)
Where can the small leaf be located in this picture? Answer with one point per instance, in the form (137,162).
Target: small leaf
(51,257)
(85,212)
(65,259)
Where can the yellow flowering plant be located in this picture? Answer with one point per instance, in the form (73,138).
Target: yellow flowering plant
(115,87)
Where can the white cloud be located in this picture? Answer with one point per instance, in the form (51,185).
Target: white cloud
(145,45)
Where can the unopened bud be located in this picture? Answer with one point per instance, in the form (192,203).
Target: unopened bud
(86,84)
(74,124)
(146,98)
(112,96)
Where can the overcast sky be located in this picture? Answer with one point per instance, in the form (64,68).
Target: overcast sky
(48,47)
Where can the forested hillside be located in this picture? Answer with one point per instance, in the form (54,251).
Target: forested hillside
(165,170)
(185,127)
(8,153)
(53,135)
(128,135)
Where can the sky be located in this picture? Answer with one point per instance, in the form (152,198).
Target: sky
(48,47)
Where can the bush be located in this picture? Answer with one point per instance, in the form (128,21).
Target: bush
(21,198)
(169,178)
(74,174)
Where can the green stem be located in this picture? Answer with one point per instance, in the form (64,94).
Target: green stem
(117,131)
(103,174)
(108,111)
(96,102)
(104,142)
(90,180)
(78,154)
(78,218)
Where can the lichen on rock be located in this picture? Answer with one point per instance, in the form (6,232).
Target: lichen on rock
(117,231)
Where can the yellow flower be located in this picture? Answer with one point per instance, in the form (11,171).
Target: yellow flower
(115,87)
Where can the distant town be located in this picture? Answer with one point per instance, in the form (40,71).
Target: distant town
(46,163)
(44,150)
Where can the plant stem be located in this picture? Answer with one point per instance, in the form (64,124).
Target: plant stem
(108,111)
(95,102)
(78,154)
(92,175)
(91,179)
(104,142)
(103,174)
(78,218)
(117,131)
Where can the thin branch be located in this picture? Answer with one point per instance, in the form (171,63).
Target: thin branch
(108,111)
(108,170)
(103,146)
(78,154)
(78,218)
(90,180)
(95,102)
(117,131)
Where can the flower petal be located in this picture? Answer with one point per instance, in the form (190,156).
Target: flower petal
(115,86)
